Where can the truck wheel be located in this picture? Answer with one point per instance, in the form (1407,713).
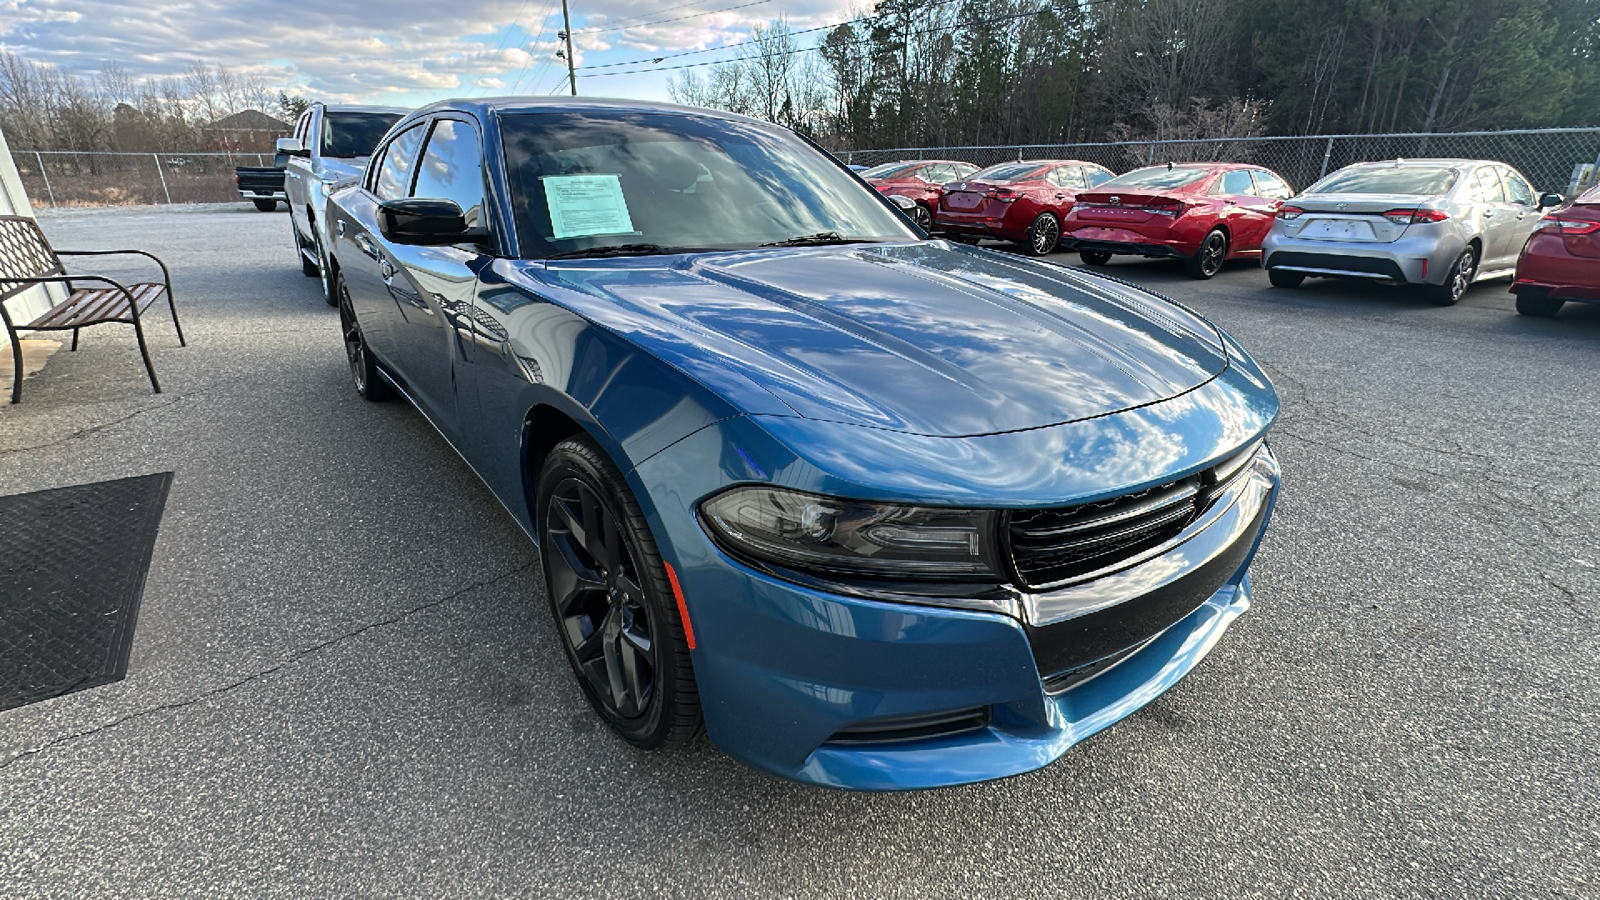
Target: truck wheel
(266,205)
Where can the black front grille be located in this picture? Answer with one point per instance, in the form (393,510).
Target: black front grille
(1052,546)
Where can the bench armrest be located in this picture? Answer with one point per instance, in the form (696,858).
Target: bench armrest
(165,275)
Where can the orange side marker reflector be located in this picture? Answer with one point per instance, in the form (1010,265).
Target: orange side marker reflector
(683,610)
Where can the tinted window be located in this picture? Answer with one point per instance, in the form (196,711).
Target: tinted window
(1517,188)
(602,178)
(1068,176)
(1098,177)
(1271,186)
(1158,178)
(887,170)
(965,169)
(347,135)
(394,175)
(1387,180)
(1235,182)
(1486,187)
(452,168)
(1008,172)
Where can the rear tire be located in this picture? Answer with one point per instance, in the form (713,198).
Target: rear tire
(266,205)
(922,217)
(1094,257)
(614,607)
(1538,305)
(1283,278)
(1456,283)
(1207,261)
(369,384)
(1044,235)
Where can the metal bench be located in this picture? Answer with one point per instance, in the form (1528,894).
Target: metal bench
(27,259)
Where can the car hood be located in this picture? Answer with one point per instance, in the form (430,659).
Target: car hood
(926,337)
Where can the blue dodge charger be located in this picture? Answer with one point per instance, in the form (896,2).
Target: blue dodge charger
(875,511)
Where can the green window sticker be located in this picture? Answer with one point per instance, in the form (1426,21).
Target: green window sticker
(586,205)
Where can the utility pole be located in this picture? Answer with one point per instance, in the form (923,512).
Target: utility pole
(566,35)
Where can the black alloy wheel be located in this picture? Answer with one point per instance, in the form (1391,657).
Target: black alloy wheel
(1044,235)
(266,205)
(1283,278)
(1538,305)
(612,602)
(1207,262)
(1456,283)
(363,371)
(1094,257)
(922,217)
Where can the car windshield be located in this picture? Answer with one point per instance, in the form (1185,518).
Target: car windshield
(350,135)
(662,182)
(889,170)
(1387,180)
(1158,178)
(1007,172)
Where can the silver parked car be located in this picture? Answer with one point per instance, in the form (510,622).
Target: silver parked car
(1439,223)
(330,146)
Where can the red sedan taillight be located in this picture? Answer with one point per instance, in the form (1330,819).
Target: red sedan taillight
(1569,226)
(1415,216)
(1003,195)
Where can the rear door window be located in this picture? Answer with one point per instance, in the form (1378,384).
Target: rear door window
(1517,188)
(451,168)
(1235,183)
(393,179)
(1486,186)
(1098,177)
(1068,177)
(1271,186)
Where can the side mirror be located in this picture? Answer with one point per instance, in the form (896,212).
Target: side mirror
(1550,199)
(291,147)
(425,222)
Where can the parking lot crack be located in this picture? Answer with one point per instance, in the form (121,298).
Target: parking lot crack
(93,429)
(285,663)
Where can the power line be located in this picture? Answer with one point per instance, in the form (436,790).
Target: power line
(657,59)
(659,11)
(697,15)
(813,49)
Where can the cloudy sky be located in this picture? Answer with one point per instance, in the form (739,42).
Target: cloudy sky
(403,52)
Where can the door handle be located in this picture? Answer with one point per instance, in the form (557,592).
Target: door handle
(1488,214)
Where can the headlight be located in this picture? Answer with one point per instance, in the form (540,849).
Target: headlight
(853,537)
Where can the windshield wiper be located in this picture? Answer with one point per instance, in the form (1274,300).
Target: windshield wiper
(613,250)
(820,239)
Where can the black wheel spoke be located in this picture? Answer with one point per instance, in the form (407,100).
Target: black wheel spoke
(635,678)
(572,582)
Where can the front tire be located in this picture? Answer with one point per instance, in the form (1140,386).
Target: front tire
(1043,235)
(1538,305)
(1094,257)
(1456,283)
(922,217)
(1207,261)
(265,205)
(1283,278)
(369,384)
(612,602)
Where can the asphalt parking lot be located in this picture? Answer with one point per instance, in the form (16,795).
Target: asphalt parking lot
(344,682)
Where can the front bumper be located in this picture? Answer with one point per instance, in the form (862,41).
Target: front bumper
(791,677)
(1410,260)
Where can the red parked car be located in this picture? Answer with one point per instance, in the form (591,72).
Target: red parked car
(1201,213)
(1021,201)
(1561,260)
(919,180)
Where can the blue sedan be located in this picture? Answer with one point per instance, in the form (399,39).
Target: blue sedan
(874,511)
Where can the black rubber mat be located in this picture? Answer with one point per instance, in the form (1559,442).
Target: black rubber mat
(72,567)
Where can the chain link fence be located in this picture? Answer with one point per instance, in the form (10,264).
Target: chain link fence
(1549,157)
(70,178)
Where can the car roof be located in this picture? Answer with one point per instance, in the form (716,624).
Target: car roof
(350,107)
(1047,162)
(1430,162)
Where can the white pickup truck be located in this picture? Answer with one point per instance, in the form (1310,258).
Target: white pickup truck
(330,146)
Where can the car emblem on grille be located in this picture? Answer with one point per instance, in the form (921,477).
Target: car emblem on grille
(1339,206)
(1116,201)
